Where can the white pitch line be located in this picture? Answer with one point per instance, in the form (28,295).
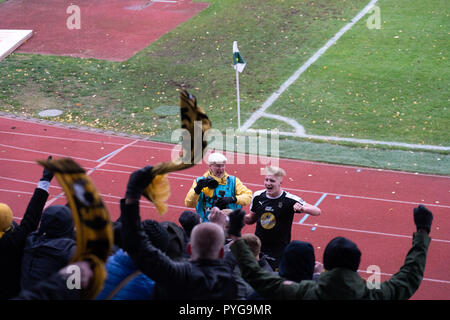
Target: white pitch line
(42,152)
(112,155)
(189,177)
(295,223)
(59,138)
(390,275)
(171,146)
(143,204)
(354,140)
(258,113)
(298,132)
(82,130)
(83,140)
(363,231)
(186,177)
(299,129)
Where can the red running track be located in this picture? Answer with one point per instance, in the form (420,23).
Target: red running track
(372,207)
(104,29)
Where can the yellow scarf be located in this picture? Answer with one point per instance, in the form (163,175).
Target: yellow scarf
(93,226)
(158,191)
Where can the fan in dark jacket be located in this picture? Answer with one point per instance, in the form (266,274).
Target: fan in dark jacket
(50,248)
(12,239)
(341,279)
(205,276)
(124,281)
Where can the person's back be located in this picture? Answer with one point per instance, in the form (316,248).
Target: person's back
(341,280)
(118,267)
(13,237)
(245,291)
(176,249)
(50,247)
(205,276)
(298,261)
(124,280)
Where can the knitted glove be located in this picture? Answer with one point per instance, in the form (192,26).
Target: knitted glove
(236,222)
(47,175)
(223,202)
(138,181)
(205,182)
(423,218)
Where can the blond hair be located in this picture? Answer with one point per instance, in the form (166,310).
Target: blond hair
(253,242)
(275,171)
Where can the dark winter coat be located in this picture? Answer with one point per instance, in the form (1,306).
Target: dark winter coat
(338,283)
(13,242)
(50,248)
(119,267)
(200,279)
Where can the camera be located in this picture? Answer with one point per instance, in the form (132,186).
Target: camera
(221,195)
(211,183)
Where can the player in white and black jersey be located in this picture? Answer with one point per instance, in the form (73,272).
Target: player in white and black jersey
(273,210)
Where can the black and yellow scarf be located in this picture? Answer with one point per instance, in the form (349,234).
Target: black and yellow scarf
(94,232)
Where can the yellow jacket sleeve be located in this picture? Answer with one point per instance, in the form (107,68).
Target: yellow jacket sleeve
(192,198)
(242,193)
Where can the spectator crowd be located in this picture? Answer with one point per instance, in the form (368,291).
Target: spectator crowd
(202,256)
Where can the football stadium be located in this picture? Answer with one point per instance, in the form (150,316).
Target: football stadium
(224,150)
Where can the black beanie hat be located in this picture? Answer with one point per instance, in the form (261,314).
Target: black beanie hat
(298,261)
(156,233)
(341,253)
(188,221)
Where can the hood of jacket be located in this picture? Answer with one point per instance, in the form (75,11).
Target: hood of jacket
(57,222)
(297,262)
(340,284)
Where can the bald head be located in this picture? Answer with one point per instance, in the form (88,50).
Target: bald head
(207,241)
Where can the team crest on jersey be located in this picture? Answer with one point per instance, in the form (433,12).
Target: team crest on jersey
(268,220)
(280,204)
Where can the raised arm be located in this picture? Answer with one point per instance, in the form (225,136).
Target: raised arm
(149,259)
(307,208)
(30,221)
(406,281)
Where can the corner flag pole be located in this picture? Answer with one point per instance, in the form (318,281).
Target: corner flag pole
(238,65)
(238,100)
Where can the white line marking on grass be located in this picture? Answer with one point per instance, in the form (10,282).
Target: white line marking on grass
(354,140)
(299,130)
(258,113)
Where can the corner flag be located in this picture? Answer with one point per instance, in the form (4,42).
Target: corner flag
(238,61)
